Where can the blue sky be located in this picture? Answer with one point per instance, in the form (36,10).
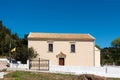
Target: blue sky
(100,18)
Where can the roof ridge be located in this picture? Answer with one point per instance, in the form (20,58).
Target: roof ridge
(60,36)
(60,33)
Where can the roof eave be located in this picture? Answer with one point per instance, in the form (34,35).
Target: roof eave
(60,39)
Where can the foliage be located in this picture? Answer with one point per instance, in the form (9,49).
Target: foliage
(8,41)
(5,35)
(97,46)
(23,53)
(111,55)
(116,43)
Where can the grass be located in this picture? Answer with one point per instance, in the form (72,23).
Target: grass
(22,75)
(114,79)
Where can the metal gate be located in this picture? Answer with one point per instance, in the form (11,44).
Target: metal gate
(38,64)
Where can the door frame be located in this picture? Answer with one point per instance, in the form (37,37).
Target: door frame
(59,56)
(61,61)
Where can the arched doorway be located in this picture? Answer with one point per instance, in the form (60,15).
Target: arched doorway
(61,58)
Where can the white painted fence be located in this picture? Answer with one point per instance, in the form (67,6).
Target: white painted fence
(4,62)
(105,71)
(18,65)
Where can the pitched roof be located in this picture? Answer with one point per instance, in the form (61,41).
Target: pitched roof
(59,36)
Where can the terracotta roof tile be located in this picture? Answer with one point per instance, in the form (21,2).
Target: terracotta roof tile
(59,36)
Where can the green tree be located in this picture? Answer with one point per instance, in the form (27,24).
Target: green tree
(22,52)
(116,50)
(116,43)
(106,57)
(5,35)
(97,46)
(111,55)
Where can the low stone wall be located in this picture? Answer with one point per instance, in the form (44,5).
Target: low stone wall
(107,71)
(3,63)
(18,65)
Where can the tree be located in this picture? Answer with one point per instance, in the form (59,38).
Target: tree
(111,55)
(97,46)
(5,35)
(106,57)
(22,52)
(116,42)
(116,50)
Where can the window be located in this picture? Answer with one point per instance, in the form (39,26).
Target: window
(50,47)
(72,47)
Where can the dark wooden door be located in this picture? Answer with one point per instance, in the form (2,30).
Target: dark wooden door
(61,61)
